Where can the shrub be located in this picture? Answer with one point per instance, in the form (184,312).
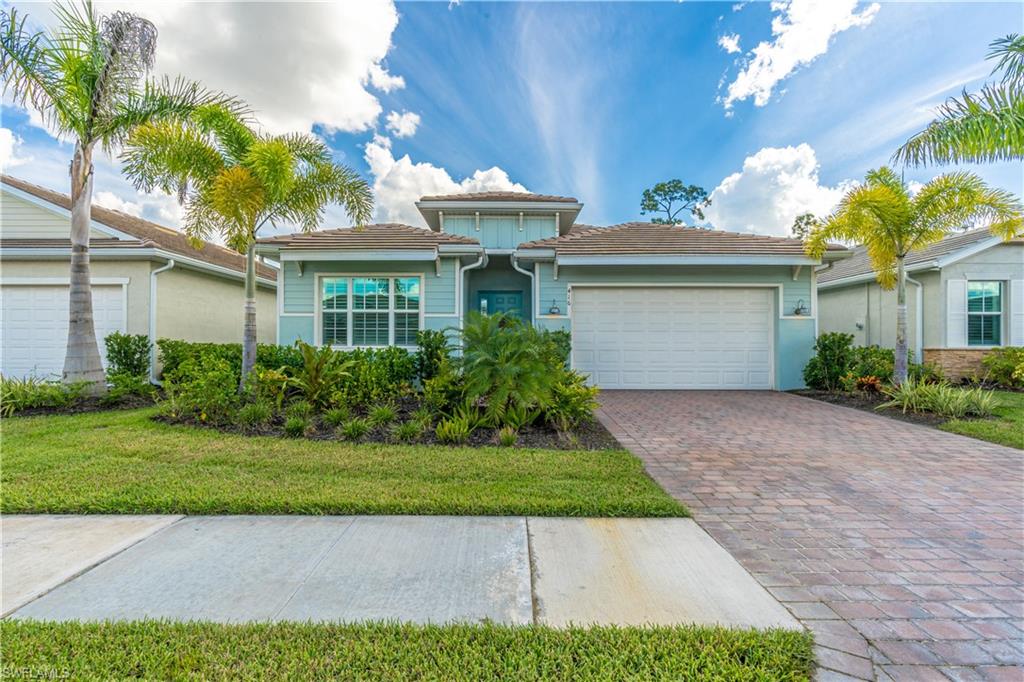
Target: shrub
(174,352)
(873,361)
(1005,366)
(319,378)
(422,415)
(336,416)
(559,343)
(301,409)
(432,350)
(505,363)
(868,384)
(381,416)
(296,427)
(518,416)
(941,399)
(507,436)
(354,429)
(267,385)
(832,358)
(407,432)
(444,390)
(378,375)
(573,402)
(927,372)
(254,415)
(453,430)
(204,388)
(127,354)
(124,386)
(17,395)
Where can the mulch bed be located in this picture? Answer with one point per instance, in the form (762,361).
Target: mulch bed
(868,402)
(591,436)
(83,405)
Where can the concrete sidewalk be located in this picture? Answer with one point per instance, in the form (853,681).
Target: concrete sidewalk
(348,568)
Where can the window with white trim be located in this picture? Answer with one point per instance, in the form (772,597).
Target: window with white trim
(370,310)
(984,313)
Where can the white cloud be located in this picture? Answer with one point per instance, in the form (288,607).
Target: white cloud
(296,64)
(403,124)
(116,203)
(730,43)
(775,186)
(10,150)
(801,33)
(154,206)
(397,183)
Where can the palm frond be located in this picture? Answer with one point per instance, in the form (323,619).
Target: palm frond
(170,157)
(1010,53)
(955,201)
(272,163)
(228,125)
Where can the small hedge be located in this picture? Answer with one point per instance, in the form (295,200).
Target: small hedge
(838,365)
(1005,366)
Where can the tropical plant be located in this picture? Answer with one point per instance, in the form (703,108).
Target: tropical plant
(507,436)
(300,408)
(890,222)
(354,429)
(432,350)
(336,416)
(381,416)
(407,432)
(322,369)
(127,354)
(202,388)
(941,399)
(87,79)
(233,180)
(573,402)
(29,393)
(255,415)
(1005,366)
(672,198)
(978,128)
(453,430)
(296,427)
(505,363)
(833,356)
(124,386)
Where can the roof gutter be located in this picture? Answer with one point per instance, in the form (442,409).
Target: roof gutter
(152,320)
(918,320)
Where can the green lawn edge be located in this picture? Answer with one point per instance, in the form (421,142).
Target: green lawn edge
(125,462)
(314,651)
(1006,429)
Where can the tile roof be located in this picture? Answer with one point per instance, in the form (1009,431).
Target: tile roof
(500,196)
(859,264)
(149,235)
(385,236)
(656,239)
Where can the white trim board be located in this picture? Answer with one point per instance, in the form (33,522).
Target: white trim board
(691,285)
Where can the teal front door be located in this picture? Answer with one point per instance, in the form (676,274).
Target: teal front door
(490,302)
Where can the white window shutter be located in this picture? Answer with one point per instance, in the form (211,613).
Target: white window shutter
(956,313)
(1017,312)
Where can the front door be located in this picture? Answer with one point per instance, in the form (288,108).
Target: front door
(509,302)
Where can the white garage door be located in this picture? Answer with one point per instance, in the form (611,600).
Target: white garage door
(673,337)
(34,326)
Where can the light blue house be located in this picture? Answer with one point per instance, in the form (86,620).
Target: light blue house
(649,306)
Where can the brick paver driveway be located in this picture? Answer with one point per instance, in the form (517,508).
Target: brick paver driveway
(900,546)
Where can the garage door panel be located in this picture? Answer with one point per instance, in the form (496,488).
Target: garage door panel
(667,337)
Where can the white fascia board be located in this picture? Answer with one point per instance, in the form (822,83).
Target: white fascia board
(65,213)
(459,249)
(356,255)
(132,254)
(968,251)
(687,260)
(868,276)
(535,254)
(500,206)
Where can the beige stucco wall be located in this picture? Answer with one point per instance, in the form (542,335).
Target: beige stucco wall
(198,307)
(136,271)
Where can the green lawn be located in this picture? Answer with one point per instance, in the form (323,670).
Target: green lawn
(161,650)
(124,462)
(1007,429)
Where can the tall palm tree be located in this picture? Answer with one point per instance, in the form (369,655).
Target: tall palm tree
(979,128)
(234,180)
(87,79)
(882,215)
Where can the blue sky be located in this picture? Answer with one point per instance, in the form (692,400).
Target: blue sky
(594,100)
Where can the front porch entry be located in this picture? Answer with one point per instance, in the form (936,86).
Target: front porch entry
(490,302)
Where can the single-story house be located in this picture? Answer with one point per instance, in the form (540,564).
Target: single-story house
(965,296)
(146,279)
(648,306)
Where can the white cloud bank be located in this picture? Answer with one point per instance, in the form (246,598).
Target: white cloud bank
(730,42)
(775,186)
(801,33)
(400,182)
(10,150)
(403,124)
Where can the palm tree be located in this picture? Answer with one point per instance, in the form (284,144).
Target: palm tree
(234,180)
(882,215)
(87,79)
(980,128)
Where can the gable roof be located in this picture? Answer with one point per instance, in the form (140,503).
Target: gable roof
(145,234)
(657,239)
(501,196)
(859,265)
(379,236)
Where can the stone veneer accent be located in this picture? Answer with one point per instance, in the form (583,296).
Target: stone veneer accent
(958,363)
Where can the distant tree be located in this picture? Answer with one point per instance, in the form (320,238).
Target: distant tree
(983,127)
(672,198)
(804,225)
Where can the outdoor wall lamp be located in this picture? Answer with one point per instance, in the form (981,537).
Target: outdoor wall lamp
(800,308)
(554,309)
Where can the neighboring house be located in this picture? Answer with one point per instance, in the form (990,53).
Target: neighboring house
(649,306)
(965,296)
(146,279)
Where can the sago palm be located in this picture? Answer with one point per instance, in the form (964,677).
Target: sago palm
(882,215)
(233,180)
(979,128)
(87,79)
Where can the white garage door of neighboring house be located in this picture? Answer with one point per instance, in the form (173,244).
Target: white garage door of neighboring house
(668,337)
(34,326)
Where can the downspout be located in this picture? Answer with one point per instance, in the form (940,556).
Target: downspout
(533,297)
(918,321)
(480,262)
(152,320)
